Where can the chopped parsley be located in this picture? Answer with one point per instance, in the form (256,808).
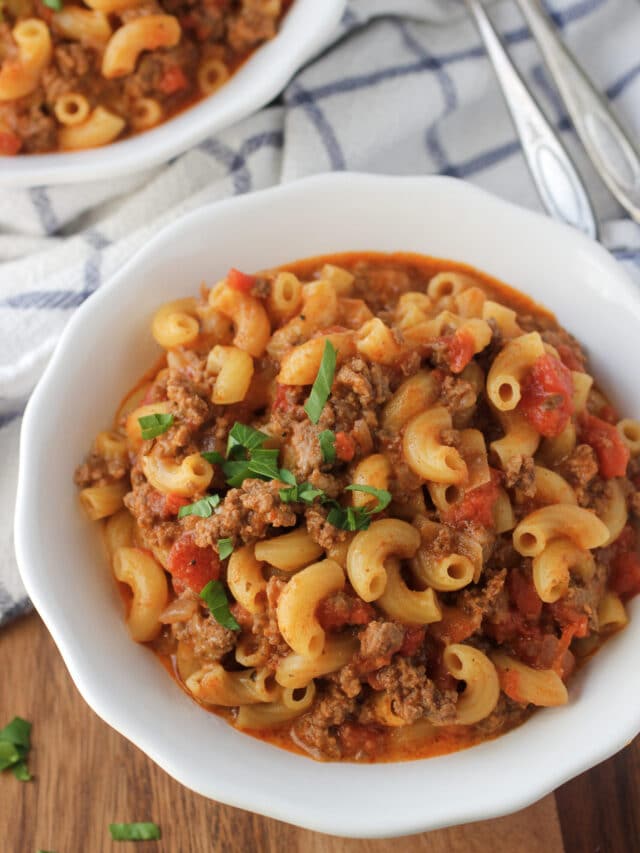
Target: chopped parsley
(383,496)
(245,456)
(56,5)
(243,437)
(300,493)
(154,425)
(349,517)
(216,600)
(225,548)
(322,385)
(146,831)
(15,743)
(327,439)
(203,508)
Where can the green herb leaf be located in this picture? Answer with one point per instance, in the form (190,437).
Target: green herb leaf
(135,831)
(264,463)
(236,472)
(244,437)
(213,457)
(383,496)
(154,425)
(322,386)
(216,600)
(18,732)
(299,492)
(9,754)
(225,548)
(287,477)
(56,5)
(349,518)
(203,508)
(45,851)
(327,439)
(21,772)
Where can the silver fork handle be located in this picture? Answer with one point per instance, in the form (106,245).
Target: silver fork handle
(559,185)
(607,144)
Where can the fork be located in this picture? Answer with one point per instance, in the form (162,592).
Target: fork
(555,176)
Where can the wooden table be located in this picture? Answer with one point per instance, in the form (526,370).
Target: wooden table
(87,776)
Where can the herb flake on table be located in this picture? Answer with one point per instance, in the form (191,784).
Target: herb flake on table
(15,743)
(140,831)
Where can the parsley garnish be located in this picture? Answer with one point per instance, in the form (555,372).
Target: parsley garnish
(56,5)
(349,517)
(327,439)
(384,497)
(299,492)
(215,598)
(15,743)
(204,507)
(225,548)
(212,456)
(147,831)
(244,437)
(322,386)
(154,425)
(246,457)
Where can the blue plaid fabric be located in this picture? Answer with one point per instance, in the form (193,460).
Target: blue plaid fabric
(404,87)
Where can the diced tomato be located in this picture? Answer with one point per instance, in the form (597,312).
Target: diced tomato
(192,565)
(345,446)
(613,454)
(609,414)
(173,503)
(240,281)
(510,684)
(624,579)
(476,505)
(9,143)
(413,639)
(567,614)
(339,610)
(547,396)
(523,595)
(281,401)
(569,358)
(460,348)
(455,626)
(173,80)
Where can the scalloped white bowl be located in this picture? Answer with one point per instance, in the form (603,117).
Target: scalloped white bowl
(106,347)
(305,29)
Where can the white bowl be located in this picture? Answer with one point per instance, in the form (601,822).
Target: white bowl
(105,348)
(305,29)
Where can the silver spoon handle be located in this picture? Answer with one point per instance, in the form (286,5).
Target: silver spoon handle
(610,149)
(559,185)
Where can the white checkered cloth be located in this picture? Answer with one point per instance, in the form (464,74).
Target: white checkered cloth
(404,87)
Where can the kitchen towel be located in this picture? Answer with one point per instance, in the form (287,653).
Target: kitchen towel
(403,87)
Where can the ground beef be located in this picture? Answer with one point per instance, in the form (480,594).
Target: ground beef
(149,510)
(381,287)
(191,400)
(98,471)
(28,119)
(301,453)
(581,467)
(456,394)
(325,534)
(246,513)
(210,640)
(348,678)
(359,391)
(313,731)
(520,474)
(634,503)
(479,601)
(253,25)
(413,695)
(147,80)
(379,641)
(264,627)
(504,716)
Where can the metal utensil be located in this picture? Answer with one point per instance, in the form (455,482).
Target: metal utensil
(557,181)
(613,154)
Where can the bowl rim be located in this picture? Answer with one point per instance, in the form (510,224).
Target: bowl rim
(247,91)
(487,805)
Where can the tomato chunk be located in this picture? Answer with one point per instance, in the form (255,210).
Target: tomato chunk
(625,575)
(523,594)
(9,143)
(460,348)
(240,280)
(477,504)
(547,396)
(192,565)
(413,639)
(281,401)
(173,503)
(345,446)
(613,454)
(173,80)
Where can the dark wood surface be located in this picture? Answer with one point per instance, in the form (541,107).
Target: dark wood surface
(87,776)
